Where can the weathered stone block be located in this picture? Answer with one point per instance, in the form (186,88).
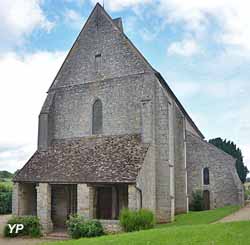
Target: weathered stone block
(44,206)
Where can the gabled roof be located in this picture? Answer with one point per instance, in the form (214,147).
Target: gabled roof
(99,159)
(99,8)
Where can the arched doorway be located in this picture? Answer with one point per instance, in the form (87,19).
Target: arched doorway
(206,199)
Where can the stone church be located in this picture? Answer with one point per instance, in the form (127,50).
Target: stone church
(113,135)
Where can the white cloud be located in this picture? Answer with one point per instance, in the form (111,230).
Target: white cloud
(78,2)
(230,16)
(74,18)
(117,5)
(228,19)
(18,18)
(187,47)
(24,82)
(228,100)
(225,90)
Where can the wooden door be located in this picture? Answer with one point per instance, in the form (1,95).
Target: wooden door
(206,199)
(104,203)
(59,205)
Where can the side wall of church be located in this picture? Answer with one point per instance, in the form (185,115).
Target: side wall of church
(164,171)
(224,186)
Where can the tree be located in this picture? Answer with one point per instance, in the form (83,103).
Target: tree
(5,174)
(231,148)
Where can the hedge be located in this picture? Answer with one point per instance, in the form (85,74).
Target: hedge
(31,225)
(5,198)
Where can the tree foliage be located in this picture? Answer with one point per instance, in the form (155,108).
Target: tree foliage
(197,203)
(231,148)
(5,174)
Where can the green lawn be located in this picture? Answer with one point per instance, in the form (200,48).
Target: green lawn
(203,217)
(192,228)
(213,234)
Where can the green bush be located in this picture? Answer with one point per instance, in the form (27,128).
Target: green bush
(93,228)
(31,225)
(5,187)
(5,202)
(78,227)
(197,203)
(136,220)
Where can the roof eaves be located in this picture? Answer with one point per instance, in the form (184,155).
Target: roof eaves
(165,85)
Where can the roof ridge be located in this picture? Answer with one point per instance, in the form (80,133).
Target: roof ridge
(211,145)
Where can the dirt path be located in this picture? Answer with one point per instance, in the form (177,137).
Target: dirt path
(240,215)
(15,241)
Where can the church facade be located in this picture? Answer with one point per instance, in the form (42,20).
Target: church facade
(113,135)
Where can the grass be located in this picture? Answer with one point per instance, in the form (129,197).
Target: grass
(215,234)
(189,229)
(203,217)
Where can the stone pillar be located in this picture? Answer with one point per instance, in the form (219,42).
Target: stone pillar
(19,200)
(132,197)
(44,206)
(15,198)
(85,201)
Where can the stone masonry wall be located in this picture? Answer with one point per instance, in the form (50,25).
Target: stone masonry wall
(23,199)
(146,180)
(85,201)
(133,200)
(225,187)
(121,103)
(122,80)
(99,37)
(164,200)
(181,202)
(44,206)
(15,198)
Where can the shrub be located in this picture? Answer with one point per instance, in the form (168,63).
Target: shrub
(5,202)
(93,228)
(78,227)
(197,203)
(5,187)
(31,225)
(74,225)
(136,220)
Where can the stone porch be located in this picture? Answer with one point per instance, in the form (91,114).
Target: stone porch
(54,203)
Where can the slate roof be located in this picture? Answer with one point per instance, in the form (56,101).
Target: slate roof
(99,159)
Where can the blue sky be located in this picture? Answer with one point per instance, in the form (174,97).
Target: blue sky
(202,49)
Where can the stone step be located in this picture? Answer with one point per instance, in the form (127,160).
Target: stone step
(58,236)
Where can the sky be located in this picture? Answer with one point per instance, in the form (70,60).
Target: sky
(201,48)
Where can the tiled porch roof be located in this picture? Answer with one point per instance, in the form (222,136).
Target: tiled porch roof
(100,159)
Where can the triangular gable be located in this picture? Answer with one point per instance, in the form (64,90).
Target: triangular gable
(100,36)
(119,57)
